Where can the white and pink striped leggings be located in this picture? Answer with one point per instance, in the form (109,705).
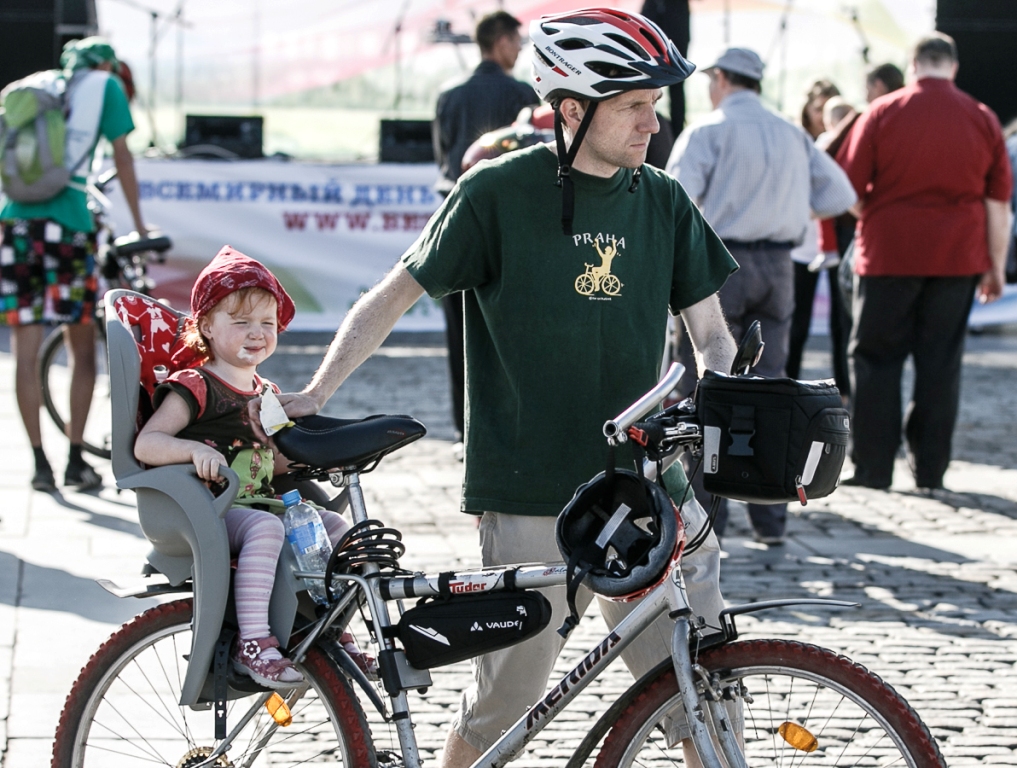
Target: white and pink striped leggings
(257,538)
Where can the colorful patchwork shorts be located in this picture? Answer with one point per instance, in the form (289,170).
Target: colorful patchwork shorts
(47,273)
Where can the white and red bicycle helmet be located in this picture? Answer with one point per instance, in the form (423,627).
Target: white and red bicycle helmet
(597,53)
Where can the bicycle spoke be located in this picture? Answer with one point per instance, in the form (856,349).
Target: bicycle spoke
(180,686)
(158,761)
(156,755)
(170,711)
(170,721)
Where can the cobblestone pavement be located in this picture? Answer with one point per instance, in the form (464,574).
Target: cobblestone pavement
(934,576)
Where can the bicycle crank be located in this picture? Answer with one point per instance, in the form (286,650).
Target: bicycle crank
(199,756)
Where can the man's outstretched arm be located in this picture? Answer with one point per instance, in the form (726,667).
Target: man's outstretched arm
(362,331)
(711,338)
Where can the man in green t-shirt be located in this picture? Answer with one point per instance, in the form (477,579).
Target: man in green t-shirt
(48,272)
(564,320)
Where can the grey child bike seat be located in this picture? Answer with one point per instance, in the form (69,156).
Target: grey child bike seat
(178,513)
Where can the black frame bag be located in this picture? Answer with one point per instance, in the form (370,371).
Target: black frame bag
(768,441)
(444,630)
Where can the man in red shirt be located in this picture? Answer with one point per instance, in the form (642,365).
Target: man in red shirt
(931,171)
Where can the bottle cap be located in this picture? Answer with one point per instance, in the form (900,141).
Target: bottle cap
(291,497)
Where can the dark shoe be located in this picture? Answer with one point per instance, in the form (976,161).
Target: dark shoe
(272,673)
(366,663)
(82,476)
(858,482)
(770,541)
(43,480)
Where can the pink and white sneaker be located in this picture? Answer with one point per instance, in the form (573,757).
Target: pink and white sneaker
(272,673)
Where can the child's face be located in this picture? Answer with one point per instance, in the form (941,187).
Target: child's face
(248,336)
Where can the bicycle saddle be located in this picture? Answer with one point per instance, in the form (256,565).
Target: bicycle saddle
(321,442)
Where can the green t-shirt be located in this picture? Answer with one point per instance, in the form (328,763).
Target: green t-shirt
(70,207)
(562,333)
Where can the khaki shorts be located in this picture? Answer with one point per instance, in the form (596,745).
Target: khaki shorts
(507,682)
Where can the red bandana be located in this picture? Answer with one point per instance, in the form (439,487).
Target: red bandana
(230,271)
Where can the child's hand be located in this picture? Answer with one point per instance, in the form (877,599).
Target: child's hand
(207,461)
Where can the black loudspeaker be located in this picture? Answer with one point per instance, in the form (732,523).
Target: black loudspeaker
(406,141)
(28,40)
(33,32)
(984,31)
(223,137)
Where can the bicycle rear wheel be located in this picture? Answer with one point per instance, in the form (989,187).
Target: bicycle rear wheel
(54,374)
(123,709)
(801,705)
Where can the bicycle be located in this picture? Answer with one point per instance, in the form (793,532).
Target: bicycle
(124,264)
(757,702)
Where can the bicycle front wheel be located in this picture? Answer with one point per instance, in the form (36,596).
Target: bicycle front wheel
(54,374)
(800,705)
(123,709)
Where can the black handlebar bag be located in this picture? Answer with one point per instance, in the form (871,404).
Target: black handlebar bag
(768,441)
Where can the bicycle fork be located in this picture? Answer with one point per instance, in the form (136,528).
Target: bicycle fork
(684,669)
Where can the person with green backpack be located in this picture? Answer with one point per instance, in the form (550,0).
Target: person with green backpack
(50,124)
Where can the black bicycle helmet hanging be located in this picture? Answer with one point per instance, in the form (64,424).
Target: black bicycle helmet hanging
(594,54)
(620,534)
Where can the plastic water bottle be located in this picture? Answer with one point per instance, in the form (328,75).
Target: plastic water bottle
(306,534)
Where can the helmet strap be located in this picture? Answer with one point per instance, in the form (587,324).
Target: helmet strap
(636,175)
(565,160)
(574,576)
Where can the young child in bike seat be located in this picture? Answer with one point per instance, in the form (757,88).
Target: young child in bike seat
(238,308)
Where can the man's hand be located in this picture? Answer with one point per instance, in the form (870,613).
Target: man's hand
(296,404)
(207,461)
(299,404)
(991,286)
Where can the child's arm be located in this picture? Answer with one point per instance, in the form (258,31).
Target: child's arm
(157,443)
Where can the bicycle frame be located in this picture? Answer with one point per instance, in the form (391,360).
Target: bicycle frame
(669,597)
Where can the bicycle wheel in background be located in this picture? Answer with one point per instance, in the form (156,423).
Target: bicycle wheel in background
(801,705)
(54,374)
(123,709)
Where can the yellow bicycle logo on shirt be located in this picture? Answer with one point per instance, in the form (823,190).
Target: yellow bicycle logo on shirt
(600,278)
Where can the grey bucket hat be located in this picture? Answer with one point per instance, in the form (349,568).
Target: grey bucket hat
(741,61)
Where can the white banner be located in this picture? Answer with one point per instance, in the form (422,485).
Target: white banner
(328,232)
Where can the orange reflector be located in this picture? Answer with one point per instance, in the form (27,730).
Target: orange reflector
(277,708)
(798,737)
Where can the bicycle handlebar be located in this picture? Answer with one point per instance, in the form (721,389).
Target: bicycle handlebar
(131,244)
(616,428)
(105,178)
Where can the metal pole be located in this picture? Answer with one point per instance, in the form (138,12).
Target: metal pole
(180,67)
(152,80)
(256,64)
(58,20)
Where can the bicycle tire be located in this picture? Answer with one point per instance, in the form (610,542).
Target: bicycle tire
(857,719)
(139,670)
(49,356)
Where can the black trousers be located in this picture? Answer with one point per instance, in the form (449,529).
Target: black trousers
(894,317)
(840,326)
(453,308)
